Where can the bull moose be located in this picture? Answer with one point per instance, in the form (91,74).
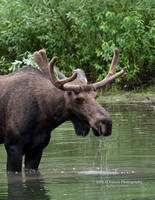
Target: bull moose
(34,102)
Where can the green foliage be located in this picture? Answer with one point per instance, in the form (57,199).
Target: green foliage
(4,66)
(27,60)
(82,34)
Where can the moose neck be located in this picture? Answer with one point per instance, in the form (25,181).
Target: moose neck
(56,109)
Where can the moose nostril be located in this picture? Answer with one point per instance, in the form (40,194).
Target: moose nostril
(103,129)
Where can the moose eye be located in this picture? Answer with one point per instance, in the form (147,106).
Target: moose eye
(79,100)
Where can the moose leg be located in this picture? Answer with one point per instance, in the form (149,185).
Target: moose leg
(14,158)
(32,159)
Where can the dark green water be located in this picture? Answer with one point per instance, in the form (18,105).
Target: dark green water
(118,167)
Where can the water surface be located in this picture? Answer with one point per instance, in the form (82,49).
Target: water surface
(121,166)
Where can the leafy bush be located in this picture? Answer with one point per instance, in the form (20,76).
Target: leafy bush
(82,34)
(27,60)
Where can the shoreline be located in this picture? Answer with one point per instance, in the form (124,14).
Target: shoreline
(127,97)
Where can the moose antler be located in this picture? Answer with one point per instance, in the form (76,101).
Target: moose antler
(41,60)
(111,76)
(48,69)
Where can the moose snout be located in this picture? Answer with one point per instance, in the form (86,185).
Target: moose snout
(106,127)
(103,127)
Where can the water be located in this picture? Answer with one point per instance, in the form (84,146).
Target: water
(118,167)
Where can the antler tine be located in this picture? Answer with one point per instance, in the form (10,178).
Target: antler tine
(111,76)
(60,83)
(114,62)
(48,69)
(41,60)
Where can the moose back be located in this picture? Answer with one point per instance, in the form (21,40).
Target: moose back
(34,102)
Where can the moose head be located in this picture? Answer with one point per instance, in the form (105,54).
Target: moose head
(80,97)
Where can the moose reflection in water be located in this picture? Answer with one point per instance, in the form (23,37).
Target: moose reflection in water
(32,187)
(33,103)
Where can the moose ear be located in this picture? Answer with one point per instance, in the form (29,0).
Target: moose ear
(60,76)
(80,74)
(81,127)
